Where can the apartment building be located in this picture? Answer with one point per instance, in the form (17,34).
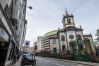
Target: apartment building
(12,29)
(39,43)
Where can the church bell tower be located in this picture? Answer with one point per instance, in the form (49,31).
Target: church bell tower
(68,20)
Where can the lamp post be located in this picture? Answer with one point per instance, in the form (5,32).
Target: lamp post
(35,51)
(30,7)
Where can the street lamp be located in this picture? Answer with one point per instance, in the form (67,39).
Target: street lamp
(30,7)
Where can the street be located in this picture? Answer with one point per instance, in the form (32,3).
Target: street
(45,61)
(41,61)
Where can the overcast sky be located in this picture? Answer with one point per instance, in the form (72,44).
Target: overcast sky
(46,15)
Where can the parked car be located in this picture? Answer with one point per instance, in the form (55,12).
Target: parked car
(28,59)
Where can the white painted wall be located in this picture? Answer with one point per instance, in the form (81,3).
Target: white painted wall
(71,33)
(67,40)
(54,45)
(62,42)
(80,32)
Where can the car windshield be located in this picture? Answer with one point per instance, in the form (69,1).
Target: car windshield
(28,56)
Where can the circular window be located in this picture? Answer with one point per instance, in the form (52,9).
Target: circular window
(71,36)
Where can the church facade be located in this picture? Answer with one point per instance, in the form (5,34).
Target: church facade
(66,39)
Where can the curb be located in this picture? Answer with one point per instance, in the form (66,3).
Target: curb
(77,62)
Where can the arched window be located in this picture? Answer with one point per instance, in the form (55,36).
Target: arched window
(54,50)
(62,38)
(79,37)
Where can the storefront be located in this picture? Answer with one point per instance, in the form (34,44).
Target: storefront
(4,45)
(3,52)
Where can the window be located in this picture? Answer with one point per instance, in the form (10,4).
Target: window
(78,37)
(53,41)
(68,21)
(62,38)
(54,50)
(63,47)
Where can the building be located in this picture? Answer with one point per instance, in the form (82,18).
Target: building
(12,29)
(35,46)
(97,42)
(97,38)
(39,43)
(69,39)
(51,42)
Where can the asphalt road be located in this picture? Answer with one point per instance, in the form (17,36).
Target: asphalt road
(42,61)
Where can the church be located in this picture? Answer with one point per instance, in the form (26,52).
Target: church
(67,39)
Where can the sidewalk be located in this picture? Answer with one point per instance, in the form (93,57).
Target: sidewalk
(18,63)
